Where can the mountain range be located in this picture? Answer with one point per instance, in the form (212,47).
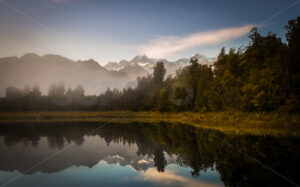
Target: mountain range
(141,65)
(31,69)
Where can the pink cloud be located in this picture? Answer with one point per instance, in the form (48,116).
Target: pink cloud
(168,45)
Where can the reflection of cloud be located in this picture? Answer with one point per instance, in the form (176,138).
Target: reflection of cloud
(143,161)
(170,178)
(168,45)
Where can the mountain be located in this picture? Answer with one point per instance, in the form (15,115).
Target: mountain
(142,65)
(138,66)
(203,59)
(32,69)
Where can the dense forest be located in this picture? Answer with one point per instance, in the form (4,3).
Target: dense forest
(263,76)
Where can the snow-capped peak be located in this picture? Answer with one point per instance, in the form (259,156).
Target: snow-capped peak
(142,62)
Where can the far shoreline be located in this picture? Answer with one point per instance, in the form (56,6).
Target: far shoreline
(275,124)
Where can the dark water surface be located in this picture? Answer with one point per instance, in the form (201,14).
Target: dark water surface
(136,154)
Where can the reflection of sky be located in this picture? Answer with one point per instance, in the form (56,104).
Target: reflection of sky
(115,175)
(175,175)
(93,163)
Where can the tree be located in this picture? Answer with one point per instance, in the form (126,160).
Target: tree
(193,78)
(193,72)
(163,104)
(204,84)
(57,90)
(159,160)
(13,92)
(293,67)
(159,73)
(293,38)
(36,93)
(78,92)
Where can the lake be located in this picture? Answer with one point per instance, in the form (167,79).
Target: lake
(142,154)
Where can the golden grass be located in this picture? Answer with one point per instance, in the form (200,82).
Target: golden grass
(228,122)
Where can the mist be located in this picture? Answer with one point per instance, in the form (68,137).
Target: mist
(31,69)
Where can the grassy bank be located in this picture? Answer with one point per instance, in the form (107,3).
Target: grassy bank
(229,122)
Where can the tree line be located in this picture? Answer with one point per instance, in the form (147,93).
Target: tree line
(58,98)
(262,76)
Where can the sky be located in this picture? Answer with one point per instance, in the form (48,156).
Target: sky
(115,30)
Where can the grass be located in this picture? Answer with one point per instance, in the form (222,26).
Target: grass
(229,122)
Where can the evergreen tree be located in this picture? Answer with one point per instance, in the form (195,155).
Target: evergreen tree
(159,73)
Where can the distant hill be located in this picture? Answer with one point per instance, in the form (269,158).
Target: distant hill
(32,69)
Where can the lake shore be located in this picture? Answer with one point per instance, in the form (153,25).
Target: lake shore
(229,122)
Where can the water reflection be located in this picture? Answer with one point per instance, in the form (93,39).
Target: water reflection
(142,154)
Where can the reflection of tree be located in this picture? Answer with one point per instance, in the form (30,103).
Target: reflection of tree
(159,160)
(35,141)
(80,141)
(195,148)
(55,141)
(56,133)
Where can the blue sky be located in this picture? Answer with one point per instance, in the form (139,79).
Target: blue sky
(115,30)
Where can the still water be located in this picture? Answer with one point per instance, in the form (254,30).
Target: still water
(140,154)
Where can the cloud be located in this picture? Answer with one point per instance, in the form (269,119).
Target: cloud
(61,1)
(168,45)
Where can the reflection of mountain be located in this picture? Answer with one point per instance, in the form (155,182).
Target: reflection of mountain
(94,148)
(138,163)
(145,146)
(89,153)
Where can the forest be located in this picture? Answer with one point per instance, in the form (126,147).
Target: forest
(262,76)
